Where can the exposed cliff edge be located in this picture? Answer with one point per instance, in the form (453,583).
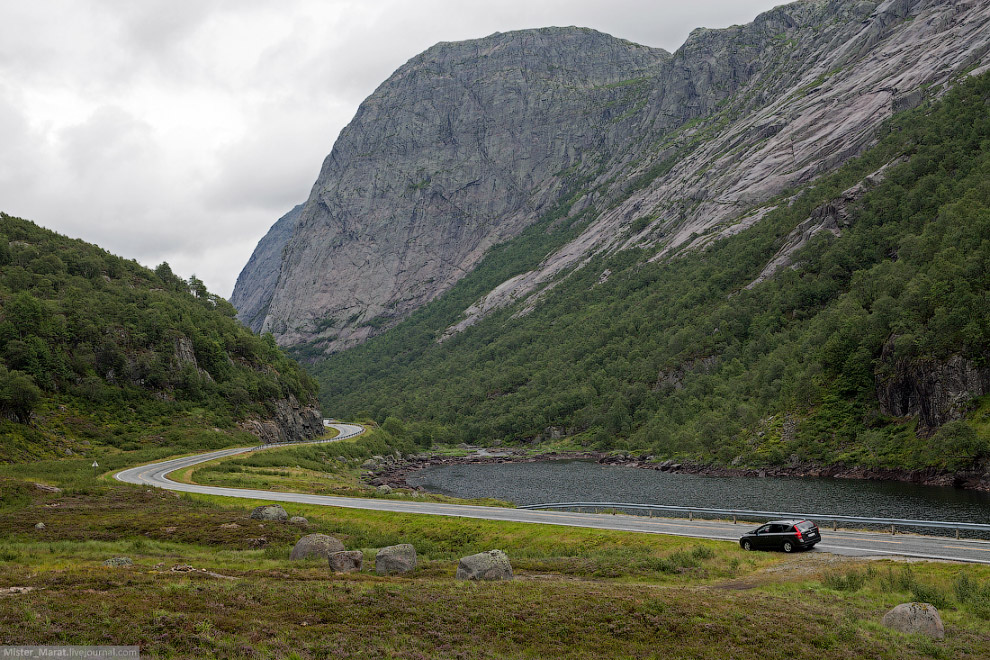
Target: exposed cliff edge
(469,143)
(257,280)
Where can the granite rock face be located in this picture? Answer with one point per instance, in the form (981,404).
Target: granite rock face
(291,422)
(469,143)
(256,283)
(272,512)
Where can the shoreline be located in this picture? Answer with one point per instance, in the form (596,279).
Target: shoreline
(394,474)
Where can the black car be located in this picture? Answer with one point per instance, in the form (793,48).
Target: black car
(787,535)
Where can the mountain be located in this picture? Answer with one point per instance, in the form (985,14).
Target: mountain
(867,347)
(253,291)
(470,143)
(98,350)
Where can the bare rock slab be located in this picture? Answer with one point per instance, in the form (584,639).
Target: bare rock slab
(490,565)
(270,512)
(395,559)
(915,618)
(316,545)
(347,561)
(117,562)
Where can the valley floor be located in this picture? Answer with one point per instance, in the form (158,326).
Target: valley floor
(208,581)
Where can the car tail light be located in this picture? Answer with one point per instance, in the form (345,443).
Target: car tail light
(798,532)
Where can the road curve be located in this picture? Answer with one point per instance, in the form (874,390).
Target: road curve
(858,544)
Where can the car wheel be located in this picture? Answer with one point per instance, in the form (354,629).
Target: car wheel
(746,545)
(788,546)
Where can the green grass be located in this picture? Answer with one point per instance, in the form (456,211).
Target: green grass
(578,593)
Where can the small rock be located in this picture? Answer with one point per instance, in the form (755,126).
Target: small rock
(491,565)
(369,464)
(40,526)
(182,568)
(384,489)
(258,542)
(47,488)
(270,512)
(921,618)
(316,545)
(298,520)
(15,590)
(117,562)
(395,559)
(346,561)
(230,526)
(169,530)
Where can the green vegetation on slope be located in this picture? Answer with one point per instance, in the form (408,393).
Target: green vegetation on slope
(96,349)
(785,371)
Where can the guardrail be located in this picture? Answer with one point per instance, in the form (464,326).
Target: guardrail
(755,516)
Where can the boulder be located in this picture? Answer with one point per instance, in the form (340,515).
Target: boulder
(40,526)
(117,562)
(384,489)
(346,561)
(316,545)
(915,618)
(395,559)
(270,512)
(490,565)
(299,520)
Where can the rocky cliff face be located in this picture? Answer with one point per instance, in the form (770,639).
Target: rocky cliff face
(469,143)
(290,422)
(256,283)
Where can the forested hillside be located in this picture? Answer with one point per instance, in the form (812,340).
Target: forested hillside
(871,348)
(96,349)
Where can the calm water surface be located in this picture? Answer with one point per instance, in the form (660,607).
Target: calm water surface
(587,481)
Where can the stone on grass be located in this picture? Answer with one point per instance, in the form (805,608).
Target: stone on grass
(384,489)
(299,520)
(316,545)
(270,512)
(395,559)
(491,565)
(920,618)
(40,526)
(117,562)
(346,561)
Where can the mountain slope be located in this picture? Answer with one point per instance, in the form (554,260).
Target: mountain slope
(870,349)
(95,349)
(470,143)
(256,283)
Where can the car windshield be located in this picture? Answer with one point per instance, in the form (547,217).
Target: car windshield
(807,524)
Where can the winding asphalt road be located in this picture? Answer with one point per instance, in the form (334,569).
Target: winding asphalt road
(857,544)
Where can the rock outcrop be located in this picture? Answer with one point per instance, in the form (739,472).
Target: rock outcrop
(273,512)
(934,391)
(469,143)
(395,559)
(291,422)
(316,545)
(915,618)
(490,565)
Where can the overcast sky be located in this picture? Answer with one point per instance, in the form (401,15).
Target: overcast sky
(180,130)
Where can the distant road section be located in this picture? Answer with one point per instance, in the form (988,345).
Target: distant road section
(857,544)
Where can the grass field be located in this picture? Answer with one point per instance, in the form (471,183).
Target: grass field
(578,593)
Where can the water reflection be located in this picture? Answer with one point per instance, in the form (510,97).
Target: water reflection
(571,481)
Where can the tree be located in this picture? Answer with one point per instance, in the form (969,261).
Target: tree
(18,395)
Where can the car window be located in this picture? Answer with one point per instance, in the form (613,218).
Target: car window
(763,530)
(807,524)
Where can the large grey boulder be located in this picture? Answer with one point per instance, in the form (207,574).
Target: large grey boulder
(316,545)
(490,565)
(395,559)
(915,618)
(273,512)
(347,561)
